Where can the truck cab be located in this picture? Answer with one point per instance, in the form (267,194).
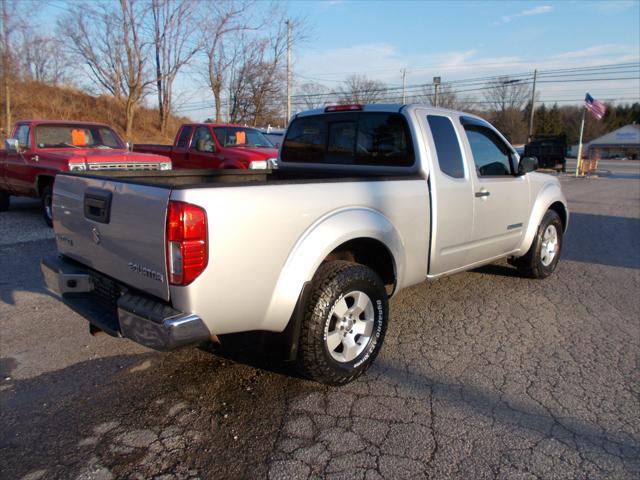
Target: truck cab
(224,146)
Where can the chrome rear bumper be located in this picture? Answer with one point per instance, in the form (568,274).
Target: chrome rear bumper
(113,308)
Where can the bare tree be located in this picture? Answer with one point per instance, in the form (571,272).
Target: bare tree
(506,98)
(447,97)
(507,93)
(43,59)
(9,24)
(111,43)
(220,27)
(257,73)
(360,89)
(175,46)
(313,95)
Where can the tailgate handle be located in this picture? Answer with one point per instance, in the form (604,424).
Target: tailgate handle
(97,205)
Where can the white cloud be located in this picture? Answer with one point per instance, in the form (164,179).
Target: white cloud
(525,13)
(382,61)
(599,51)
(536,11)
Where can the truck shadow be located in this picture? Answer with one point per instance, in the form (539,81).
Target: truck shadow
(603,240)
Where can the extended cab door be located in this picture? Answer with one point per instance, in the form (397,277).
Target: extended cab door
(452,199)
(501,198)
(180,150)
(202,150)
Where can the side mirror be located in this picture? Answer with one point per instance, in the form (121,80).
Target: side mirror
(12,145)
(527,164)
(129,146)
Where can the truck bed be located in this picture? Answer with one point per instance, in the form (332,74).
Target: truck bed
(182,179)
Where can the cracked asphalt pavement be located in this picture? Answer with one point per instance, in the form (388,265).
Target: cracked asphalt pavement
(482,375)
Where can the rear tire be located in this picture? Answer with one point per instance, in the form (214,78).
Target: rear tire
(5,201)
(46,198)
(542,258)
(344,323)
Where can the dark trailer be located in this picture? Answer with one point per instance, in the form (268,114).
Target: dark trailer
(550,150)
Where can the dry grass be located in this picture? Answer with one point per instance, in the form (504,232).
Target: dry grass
(35,100)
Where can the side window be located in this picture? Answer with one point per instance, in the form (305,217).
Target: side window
(22,134)
(202,140)
(108,138)
(490,155)
(184,137)
(447,146)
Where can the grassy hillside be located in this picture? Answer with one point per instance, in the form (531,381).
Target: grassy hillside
(35,100)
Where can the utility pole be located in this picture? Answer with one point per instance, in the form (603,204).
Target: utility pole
(533,106)
(404,85)
(436,86)
(288,71)
(6,69)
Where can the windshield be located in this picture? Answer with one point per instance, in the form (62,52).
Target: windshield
(241,137)
(76,136)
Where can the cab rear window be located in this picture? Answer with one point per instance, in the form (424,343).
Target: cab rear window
(349,139)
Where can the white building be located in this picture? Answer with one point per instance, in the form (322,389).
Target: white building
(623,142)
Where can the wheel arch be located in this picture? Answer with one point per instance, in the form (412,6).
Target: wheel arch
(549,198)
(42,181)
(356,234)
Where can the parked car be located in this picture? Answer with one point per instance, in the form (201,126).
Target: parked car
(274,135)
(207,145)
(40,149)
(367,201)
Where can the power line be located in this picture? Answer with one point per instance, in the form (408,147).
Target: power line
(477,84)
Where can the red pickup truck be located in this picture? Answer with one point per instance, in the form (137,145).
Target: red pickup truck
(208,145)
(39,149)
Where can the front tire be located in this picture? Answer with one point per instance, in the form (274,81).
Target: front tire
(46,198)
(542,258)
(344,323)
(5,201)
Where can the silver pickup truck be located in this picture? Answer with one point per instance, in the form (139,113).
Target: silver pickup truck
(366,200)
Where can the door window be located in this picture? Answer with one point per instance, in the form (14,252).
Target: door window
(490,155)
(202,140)
(447,146)
(184,137)
(22,134)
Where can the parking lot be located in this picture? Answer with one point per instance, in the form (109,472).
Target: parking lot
(482,375)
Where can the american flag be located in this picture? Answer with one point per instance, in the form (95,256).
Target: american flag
(596,108)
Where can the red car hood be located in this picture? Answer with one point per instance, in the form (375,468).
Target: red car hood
(249,154)
(102,155)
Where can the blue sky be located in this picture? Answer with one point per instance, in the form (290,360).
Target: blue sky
(459,37)
(455,40)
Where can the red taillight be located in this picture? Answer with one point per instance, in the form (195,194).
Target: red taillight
(186,242)
(343,108)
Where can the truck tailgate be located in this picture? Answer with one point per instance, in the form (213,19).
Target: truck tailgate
(114,227)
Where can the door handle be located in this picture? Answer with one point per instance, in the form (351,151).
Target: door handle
(482,193)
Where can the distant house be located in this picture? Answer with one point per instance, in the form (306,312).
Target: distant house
(623,142)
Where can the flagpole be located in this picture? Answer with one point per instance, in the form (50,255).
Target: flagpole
(579,162)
